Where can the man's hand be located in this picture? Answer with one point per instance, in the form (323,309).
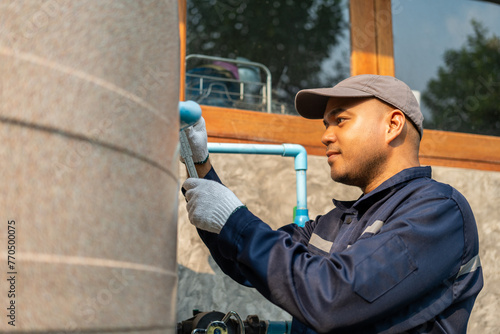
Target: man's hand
(197,137)
(209,204)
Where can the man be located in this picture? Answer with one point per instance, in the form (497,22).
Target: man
(401,258)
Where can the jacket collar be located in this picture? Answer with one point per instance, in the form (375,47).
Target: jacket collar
(395,182)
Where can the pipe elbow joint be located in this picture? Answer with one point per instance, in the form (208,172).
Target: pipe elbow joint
(297,151)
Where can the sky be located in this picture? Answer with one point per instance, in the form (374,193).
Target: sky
(424,29)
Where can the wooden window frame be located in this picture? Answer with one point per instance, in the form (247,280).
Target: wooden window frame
(371,52)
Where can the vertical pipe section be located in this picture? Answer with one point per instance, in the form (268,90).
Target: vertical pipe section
(286,150)
(89,126)
(300,154)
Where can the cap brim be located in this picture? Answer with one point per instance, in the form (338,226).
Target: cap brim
(311,103)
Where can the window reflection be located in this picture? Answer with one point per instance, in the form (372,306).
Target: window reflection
(449,51)
(256,54)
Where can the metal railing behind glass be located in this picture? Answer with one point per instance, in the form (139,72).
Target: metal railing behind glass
(232,83)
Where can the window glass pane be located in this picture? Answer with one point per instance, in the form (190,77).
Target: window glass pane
(449,51)
(242,51)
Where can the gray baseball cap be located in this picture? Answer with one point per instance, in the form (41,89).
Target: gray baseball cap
(311,103)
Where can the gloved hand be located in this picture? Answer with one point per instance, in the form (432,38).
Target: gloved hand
(197,137)
(209,204)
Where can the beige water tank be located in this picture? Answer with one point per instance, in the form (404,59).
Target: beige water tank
(88,187)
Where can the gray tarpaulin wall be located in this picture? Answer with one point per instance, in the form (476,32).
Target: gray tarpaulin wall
(88,131)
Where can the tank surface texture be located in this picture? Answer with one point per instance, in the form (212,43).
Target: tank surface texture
(89,129)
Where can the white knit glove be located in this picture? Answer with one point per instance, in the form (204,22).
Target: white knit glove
(209,204)
(197,137)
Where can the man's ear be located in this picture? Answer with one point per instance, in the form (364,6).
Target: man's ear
(396,123)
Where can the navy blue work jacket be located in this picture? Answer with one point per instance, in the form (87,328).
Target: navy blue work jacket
(401,259)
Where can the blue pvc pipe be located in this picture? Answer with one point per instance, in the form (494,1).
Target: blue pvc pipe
(286,150)
(279,327)
(189,112)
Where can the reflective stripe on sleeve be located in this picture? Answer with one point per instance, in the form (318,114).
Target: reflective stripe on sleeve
(470,266)
(320,243)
